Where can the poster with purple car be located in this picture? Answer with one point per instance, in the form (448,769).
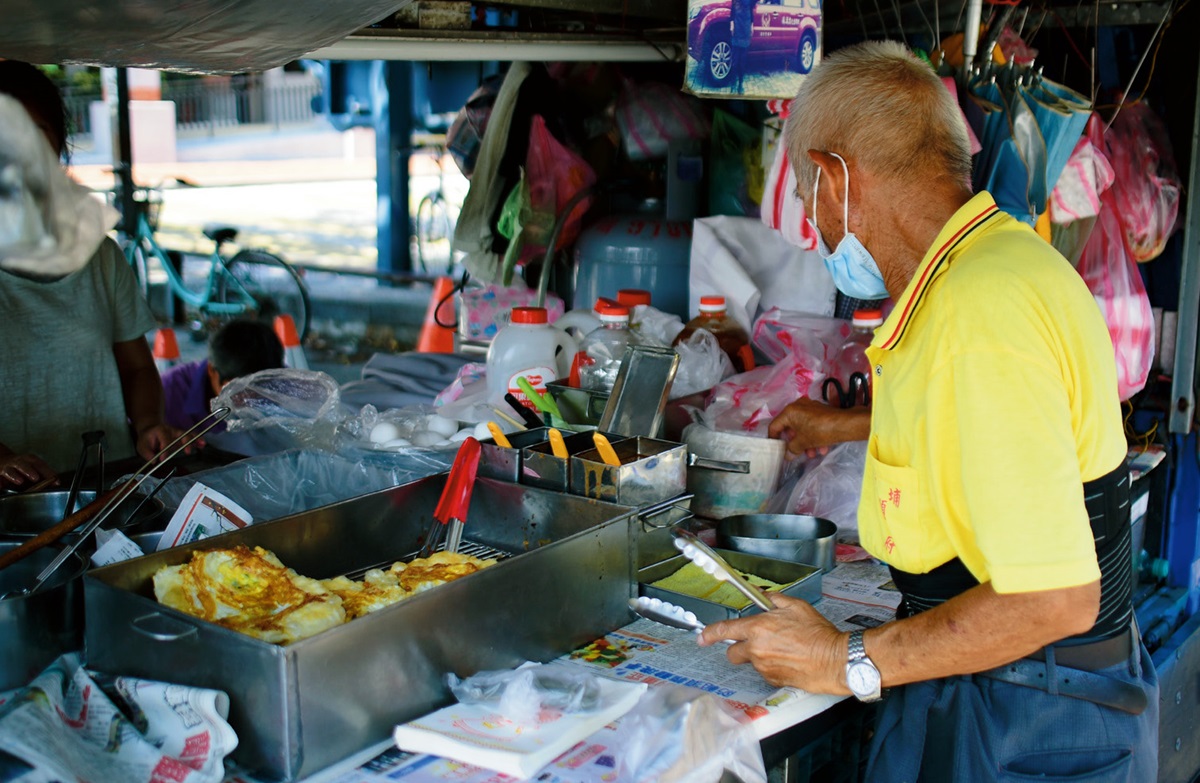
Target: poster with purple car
(751,49)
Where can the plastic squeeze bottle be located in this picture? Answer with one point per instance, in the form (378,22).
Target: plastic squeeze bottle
(529,347)
(732,338)
(604,349)
(852,356)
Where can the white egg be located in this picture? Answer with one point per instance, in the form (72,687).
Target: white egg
(384,431)
(482,432)
(427,439)
(461,435)
(442,426)
(398,443)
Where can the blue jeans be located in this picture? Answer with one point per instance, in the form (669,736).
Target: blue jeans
(973,728)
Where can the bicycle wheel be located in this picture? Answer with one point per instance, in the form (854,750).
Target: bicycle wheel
(139,259)
(435,230)
(276,287)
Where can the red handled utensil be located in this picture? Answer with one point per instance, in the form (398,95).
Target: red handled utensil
(452,507)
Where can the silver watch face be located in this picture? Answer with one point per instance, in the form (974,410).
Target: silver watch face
(863,679)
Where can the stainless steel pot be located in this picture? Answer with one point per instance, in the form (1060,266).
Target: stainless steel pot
(37,628)
(29,514)
(794,537)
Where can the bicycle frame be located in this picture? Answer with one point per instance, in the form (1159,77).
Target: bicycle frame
(204,301)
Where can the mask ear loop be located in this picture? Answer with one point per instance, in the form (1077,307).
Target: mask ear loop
(845,197)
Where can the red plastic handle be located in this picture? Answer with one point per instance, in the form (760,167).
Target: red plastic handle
(456,496)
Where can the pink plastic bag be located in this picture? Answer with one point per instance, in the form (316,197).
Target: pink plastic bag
(779,334)
(652,115)
(1108,268)
(554,174)
(1146,192)
(782,209)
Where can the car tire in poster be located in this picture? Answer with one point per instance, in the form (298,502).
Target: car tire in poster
(717,62)
(808,51)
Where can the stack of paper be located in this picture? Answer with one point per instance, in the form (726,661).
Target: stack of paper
(477,734)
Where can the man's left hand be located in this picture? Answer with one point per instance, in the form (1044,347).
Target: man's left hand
(789,645)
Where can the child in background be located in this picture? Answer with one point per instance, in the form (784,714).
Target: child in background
(238,348)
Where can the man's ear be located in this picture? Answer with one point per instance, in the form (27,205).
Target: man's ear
(833,176)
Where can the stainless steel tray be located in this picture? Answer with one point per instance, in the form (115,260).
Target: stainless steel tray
(799,580)
(301,707)
(650,471)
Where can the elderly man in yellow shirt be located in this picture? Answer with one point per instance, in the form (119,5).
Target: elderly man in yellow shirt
(995,486)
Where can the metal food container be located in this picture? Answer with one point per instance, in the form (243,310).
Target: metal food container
(540,468)
(581,407)
(650,471)
(798,580)
(301,707)
(505,464)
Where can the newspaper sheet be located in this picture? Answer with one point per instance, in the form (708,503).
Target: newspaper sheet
(72,724)
(855,595)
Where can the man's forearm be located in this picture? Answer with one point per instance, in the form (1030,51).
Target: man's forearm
(979,630)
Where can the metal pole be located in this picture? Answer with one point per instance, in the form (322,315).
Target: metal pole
(391,107)
(124,155)
(1183,377)
(971,33)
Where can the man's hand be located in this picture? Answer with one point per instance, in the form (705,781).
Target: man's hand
(811,427)
(789,645)
(154,438)
(20,470)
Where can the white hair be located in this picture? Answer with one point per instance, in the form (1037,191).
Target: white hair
(879,105)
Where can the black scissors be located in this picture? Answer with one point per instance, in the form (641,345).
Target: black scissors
(859,389)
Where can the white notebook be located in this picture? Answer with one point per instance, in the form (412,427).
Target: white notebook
(476,734)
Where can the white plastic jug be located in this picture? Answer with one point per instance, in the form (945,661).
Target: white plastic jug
(528,347)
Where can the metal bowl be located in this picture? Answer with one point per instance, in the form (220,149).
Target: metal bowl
(37,628)
(29,514)
(800,539)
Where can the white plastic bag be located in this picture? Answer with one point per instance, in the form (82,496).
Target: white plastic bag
(702,364)
(829,487)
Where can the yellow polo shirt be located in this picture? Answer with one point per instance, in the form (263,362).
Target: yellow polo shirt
(994,399)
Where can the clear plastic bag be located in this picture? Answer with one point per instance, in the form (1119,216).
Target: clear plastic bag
(520,694)
(702,364)
(779,334)
(303,405)
(829,487)
(652,115)
(682,734)
(656,327)
(747,403)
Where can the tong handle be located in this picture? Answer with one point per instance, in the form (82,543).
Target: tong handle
(702,555)
(456,496)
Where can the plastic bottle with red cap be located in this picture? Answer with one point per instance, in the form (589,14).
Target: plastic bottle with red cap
(731,336)
(852,356)
(603,350)
(530,347)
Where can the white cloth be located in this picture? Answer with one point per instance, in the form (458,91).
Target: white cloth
(50,225)
(58,376)
(755,269)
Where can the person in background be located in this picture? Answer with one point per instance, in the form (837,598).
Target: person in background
(74,356)
(739,41)
(238,348)
(995,487)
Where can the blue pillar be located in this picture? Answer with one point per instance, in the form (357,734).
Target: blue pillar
(391,108)
(1183,535)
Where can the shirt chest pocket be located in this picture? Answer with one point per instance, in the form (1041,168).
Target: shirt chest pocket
(890,506)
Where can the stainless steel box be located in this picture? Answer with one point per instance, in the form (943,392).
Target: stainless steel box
(651,471)
(300,707)
(798,580)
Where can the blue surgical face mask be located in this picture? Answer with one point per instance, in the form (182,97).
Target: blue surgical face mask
(854,270)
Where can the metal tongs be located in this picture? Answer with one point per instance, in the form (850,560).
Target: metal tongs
(702,555)
(668,614)
(88,521)
(451,510)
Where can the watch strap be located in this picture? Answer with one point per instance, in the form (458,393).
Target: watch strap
(856,651)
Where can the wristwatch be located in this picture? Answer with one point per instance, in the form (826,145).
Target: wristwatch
(862,677)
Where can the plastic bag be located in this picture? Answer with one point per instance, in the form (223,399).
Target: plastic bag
(779,334)
(304,404)
(1147,189)
(521,694)
(735,162)
(656,327)
(747,403)
(702,364)
(652,115)
(554,174)
(1108,268)
(683,734)
(782,208)
(829,487)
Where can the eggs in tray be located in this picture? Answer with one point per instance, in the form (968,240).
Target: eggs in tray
(251,591)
